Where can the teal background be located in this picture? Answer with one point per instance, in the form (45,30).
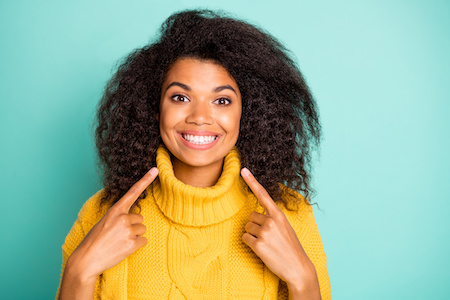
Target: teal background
(378,69)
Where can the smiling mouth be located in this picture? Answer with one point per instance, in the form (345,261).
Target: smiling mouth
(199,139)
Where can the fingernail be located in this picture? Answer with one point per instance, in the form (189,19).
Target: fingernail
(154,171)
(245,171)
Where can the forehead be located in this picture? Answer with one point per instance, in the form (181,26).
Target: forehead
(198,72)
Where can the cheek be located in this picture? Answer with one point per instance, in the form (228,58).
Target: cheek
(231,122)
(165,120)
(168,117)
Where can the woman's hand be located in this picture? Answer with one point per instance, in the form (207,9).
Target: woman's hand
(273,239)
(117,235)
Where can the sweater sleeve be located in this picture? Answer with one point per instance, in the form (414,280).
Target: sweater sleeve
(303,222)
(88,216)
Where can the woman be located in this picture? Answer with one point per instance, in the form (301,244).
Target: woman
(211,94)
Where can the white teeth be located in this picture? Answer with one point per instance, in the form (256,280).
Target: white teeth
(199,139)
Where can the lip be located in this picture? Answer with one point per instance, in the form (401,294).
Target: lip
(199,133)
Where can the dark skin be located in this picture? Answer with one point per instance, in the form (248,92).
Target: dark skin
(273,239)
(117,235)
(120,233)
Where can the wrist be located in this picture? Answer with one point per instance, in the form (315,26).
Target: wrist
(75,283)
(304,291)
(77,272)
(305,285)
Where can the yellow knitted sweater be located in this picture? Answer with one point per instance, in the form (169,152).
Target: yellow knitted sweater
(195,248)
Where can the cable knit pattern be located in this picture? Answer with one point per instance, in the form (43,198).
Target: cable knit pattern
(195,248)
(192,206)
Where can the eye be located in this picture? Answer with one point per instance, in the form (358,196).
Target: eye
(223,101)
(180,98)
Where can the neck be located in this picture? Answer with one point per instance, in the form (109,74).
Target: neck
(192,205)
(205,176)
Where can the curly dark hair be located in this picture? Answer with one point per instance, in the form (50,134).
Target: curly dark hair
(279,125)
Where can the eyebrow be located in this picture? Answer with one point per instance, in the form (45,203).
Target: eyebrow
(175,83)
(224,87)
(187,88)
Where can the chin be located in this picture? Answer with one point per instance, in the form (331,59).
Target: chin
(201,160)
(198,158)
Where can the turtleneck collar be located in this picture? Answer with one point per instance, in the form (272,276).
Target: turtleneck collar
(196,206)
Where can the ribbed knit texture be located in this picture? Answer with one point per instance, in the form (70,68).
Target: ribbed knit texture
(195,248)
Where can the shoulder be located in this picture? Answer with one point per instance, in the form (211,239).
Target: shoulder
(92,210)
(89,215)
(297,210)
(294,203)
(304,224)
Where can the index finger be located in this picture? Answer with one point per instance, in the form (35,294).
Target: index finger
(125,203)
(260,192)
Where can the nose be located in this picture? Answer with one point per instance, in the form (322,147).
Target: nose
(200,113)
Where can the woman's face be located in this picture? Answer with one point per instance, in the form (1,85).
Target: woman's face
(200,112)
